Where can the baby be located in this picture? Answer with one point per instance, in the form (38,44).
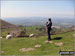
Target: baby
(46,26)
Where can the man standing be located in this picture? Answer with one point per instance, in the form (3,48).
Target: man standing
(49,28)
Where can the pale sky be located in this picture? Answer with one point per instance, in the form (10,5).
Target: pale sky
(37,8)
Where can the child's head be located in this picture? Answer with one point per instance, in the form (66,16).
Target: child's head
(46,22)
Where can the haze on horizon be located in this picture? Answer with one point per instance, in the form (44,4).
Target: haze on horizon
(60,9)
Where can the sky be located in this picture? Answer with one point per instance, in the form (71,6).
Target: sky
(59,9)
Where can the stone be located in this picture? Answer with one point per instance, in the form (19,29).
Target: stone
(26,49)
(0,37)
(1,51)
(37,46)
(31,35)
(48,41)
(59,44)
(8,36)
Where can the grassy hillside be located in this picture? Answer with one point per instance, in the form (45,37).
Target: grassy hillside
(12,46)
(6,25)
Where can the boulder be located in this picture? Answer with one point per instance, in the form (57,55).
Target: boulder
(26,49)
(37,46)
(8,36)
(59,44)
(0,37)
(31,35)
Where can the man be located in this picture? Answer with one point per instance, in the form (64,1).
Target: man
(49,28)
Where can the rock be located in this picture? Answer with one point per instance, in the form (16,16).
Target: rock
(8,36)
(31,35)
(26,49)
(37,46)
(59,44)
(1,51)
(48,41)
(0,37)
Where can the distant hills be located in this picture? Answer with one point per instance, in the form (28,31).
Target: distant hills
(57,29)
(5,24)
(29,21)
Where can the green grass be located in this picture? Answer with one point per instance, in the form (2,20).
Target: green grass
(29,30)
(32,29)
(12,46)
(4,32)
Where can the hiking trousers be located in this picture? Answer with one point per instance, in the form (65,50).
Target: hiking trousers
(49,35)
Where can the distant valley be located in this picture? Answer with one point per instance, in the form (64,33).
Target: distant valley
(31,21)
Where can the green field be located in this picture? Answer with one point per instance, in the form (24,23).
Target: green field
(12,46)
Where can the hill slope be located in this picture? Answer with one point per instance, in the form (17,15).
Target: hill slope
(13,45)
(5,25)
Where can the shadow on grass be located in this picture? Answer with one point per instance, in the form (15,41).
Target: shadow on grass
(57,38)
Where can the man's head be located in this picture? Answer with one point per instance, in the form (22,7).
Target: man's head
(49,19)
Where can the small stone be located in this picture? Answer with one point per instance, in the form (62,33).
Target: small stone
(26,49)
(0,37)
(48,41)
(37,46)
(1,51)
(59,44)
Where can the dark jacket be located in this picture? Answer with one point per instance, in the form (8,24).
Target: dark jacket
(49,25)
